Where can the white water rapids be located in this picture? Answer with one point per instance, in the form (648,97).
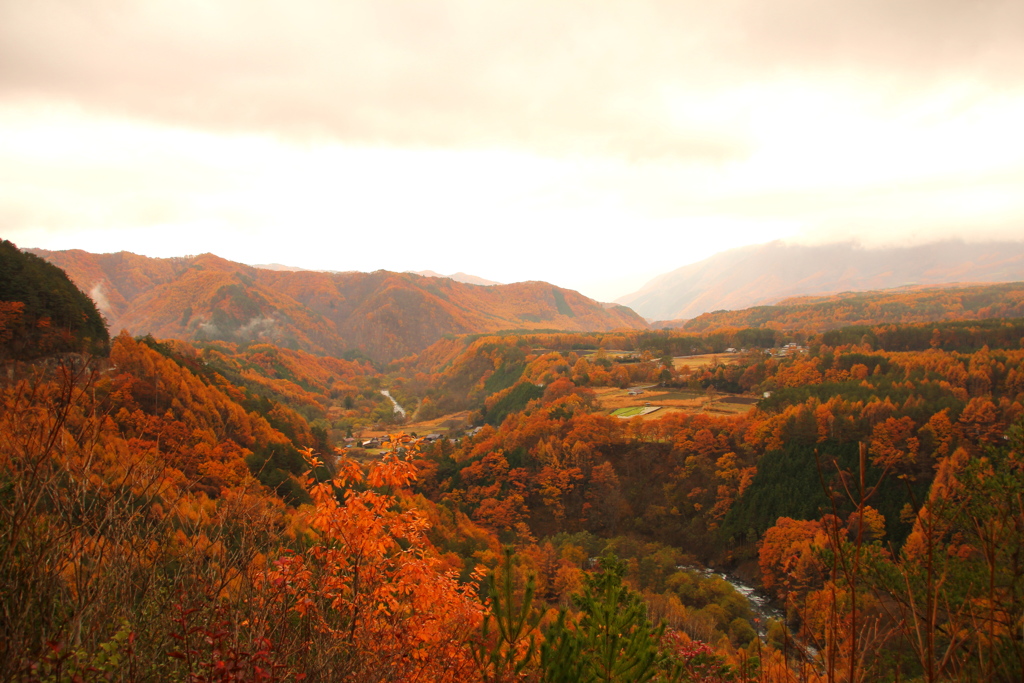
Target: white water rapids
(761,607)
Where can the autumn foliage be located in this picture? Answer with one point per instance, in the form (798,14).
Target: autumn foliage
(193,511)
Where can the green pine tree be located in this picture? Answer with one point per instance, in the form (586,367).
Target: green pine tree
(613,640)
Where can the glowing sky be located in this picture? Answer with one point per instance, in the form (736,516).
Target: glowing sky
(587,143)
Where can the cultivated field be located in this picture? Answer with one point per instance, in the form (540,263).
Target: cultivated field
(660,402)
(694,362)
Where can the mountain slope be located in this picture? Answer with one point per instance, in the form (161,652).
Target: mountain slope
(458,277)
(42,312)
(766,273)
(385,315)
(893,306)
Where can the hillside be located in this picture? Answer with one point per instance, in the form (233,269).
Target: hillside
(42,312)
(383,315)
(767,273)
(458,277)
(904,305)
(187,469)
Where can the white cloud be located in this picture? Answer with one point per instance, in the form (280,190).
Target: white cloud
(592,145)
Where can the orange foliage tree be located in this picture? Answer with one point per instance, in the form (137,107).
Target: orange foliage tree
(376,598)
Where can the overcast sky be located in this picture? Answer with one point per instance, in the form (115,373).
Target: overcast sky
(591,144)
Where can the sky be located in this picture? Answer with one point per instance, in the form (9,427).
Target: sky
(592,144)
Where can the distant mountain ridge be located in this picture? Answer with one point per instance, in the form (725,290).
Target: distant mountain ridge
(903,306)
(384,315)
(458,277)
(767,273)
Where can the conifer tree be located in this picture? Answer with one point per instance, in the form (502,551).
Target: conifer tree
(502,655)
(613,640)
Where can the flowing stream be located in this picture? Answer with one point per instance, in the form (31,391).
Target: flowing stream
(761,606)
(398,409)
(759,602)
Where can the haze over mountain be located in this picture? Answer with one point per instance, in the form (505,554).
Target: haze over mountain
(458,277)
(904,305)
(384,315)
(766,273)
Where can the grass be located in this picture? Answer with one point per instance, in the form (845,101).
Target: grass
(628,412)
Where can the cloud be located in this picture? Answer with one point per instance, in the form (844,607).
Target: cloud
(497,137)
(559,77)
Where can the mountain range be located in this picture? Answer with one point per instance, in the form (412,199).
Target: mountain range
(382,315)
(904,305)
(459,277)
(767,273)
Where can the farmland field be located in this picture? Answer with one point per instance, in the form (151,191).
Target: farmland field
(694,362)
(627,412)
(635,411)
(619,402)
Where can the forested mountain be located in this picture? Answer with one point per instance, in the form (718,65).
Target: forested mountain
(383,315)
(904,305)
(42,312)
(766,273)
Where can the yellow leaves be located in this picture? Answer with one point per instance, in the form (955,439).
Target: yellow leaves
(869,523)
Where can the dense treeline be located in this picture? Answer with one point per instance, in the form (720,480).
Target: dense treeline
(138,544)
(42,312)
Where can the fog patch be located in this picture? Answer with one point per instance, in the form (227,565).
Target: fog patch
(101,301)
(259,328)
(207,330)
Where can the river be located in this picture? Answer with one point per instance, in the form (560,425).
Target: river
(762,608)
(759,602)
(398,409)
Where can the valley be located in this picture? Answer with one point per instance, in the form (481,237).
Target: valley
(191,503)
(390,341)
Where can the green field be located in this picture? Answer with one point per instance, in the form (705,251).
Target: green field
(628,412)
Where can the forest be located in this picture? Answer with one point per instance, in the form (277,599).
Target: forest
(209,511)
(901,305)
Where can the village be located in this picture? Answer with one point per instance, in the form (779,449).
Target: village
(644,401)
